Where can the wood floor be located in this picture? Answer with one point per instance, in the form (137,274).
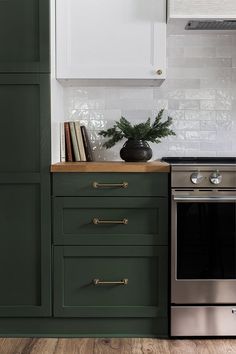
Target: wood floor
(114,346)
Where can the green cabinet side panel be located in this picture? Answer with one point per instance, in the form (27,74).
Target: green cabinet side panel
(75,268)
(146,217)
(24,36)
(139,184)
(25,215)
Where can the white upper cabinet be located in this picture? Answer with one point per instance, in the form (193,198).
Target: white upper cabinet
(205,9)
(111,39)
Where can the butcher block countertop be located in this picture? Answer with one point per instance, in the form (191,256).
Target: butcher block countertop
(111,166)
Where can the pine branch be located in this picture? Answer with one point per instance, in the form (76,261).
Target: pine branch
(142,131)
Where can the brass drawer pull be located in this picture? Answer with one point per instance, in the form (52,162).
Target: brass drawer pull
(97,221)
(101,282)
(110,185)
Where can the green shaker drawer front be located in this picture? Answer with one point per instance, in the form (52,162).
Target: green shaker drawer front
(105,281)
(110,221)
(110,184)
(24,36)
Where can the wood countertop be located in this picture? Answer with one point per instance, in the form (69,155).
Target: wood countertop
(111,166)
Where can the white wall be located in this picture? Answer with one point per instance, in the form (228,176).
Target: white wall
(199,93)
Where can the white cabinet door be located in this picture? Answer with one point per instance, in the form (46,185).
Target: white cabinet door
(111,39)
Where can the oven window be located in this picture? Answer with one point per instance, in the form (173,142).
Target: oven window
(206,245)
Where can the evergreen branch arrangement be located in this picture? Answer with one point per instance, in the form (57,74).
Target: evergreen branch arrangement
(143,131)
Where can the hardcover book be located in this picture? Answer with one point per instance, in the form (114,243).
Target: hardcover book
(80,141)
(62,143)
(87,145)
(74,141)
(69,155)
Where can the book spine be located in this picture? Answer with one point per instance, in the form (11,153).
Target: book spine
(87,145)
(62,143)
(74,141)
(69,156)
(80,141)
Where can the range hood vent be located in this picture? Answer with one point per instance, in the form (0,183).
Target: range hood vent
(211,25)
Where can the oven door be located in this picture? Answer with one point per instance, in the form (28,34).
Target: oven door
(203,269)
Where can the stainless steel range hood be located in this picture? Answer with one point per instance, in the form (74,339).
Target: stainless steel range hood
(204,15)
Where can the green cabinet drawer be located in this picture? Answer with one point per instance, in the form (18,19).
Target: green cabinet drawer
(110,221)
(79,273)
(110,184)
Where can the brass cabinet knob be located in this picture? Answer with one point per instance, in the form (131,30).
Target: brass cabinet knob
(159,72)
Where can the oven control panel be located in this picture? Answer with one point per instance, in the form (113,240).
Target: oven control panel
(203,177)
(197,177)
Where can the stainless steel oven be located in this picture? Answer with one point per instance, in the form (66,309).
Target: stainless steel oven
(203,249)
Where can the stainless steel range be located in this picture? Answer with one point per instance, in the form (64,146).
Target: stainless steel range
(203,246)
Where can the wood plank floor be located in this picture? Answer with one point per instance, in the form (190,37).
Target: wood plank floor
(114,346)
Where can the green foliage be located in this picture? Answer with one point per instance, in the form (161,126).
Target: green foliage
(143,131)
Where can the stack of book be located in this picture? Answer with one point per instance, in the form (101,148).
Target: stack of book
(74,144)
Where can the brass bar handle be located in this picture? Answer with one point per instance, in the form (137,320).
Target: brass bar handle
(102,282)
(97,221)
(110,185)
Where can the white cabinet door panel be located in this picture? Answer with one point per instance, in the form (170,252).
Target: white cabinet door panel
(111,39)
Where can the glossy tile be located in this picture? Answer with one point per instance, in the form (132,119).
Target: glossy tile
(199,94)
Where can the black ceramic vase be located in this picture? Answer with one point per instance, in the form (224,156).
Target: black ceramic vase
(136,151)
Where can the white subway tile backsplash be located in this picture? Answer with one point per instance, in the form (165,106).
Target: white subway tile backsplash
(217,82)
(202,62)
(201,52)
(199,94)
(189,104)
(224,52)
(200,115)
(186,124)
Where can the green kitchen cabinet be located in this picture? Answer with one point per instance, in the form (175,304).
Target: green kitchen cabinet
(25,237)
(24,36)
(110,251)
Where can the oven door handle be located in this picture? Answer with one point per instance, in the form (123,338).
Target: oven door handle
(205,199)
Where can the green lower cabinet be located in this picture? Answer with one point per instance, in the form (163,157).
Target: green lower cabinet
(110,252)
(107,281)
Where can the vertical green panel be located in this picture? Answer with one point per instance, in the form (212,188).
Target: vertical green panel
(20,125)
(25,123)
(24,36)
(20,254)
(25,215)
